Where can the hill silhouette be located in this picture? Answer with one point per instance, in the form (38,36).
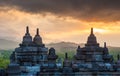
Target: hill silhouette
(7,44)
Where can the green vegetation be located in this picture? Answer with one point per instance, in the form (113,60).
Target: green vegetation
(70,54)
(4,58)
(5,54)
(114,51)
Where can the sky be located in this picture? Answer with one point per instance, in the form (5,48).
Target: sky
(61,20)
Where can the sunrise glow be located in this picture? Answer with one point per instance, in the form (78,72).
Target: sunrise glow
(102,31)
(61,24)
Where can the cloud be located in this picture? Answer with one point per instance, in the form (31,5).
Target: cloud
(13,25)
(87,10)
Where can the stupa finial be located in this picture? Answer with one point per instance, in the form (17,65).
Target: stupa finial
(91,30)
(37,32)
(27,29)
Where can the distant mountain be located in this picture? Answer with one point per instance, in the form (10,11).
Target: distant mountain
(69,46)
(7,44)
(64,46)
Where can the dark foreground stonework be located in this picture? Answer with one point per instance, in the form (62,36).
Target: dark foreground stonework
(32,58)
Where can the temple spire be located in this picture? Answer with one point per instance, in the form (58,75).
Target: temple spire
(91,30)
(27,30)
(27,39)
(37,33)
(92,41)
(37,39)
